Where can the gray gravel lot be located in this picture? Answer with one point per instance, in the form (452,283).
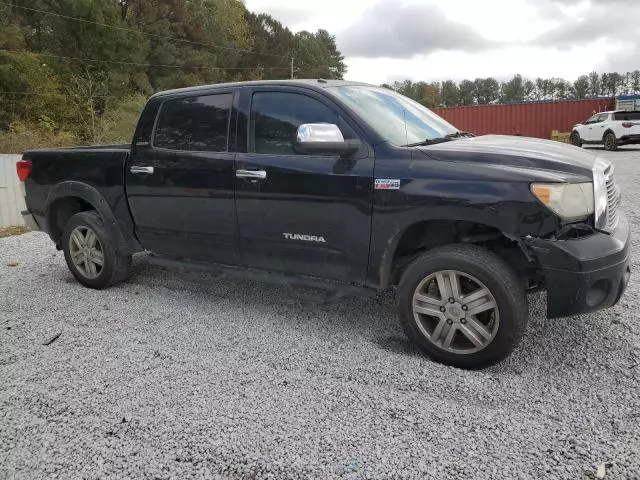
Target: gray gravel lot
(189,375)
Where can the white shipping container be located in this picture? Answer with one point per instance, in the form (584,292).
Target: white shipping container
(11,200)
(628,102)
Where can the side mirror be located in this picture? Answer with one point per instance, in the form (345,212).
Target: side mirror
(324,139)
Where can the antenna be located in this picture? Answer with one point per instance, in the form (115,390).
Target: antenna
(406,134)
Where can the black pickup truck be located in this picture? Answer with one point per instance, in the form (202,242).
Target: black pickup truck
(352,184)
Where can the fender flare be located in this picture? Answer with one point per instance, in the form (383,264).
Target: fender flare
(607,131)
(125,244)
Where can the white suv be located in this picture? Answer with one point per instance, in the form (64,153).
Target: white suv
(611,129)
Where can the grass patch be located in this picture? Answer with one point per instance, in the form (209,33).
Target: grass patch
(11,231)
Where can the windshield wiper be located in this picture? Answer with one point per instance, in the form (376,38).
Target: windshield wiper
(459,134)
(428,141)
(447,138)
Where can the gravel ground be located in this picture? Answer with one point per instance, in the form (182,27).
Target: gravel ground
(189,375)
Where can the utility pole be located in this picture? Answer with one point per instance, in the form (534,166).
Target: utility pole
(291,68)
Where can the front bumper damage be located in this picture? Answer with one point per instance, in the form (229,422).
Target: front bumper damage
(583,274)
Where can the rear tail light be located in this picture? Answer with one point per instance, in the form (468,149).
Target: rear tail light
(629,124)
(23,168)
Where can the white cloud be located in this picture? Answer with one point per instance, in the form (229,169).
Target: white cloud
(387,40)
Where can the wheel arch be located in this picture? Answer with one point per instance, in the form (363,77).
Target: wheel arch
(608,131)
(68,198)
(423,235)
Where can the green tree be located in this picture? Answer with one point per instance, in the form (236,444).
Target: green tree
(529,90)
(487,90)
(560,88)
(594,84)
(581,86)
(429,94)
(513,90)
(612,83)
(450,93)
(467,91)
(35,96)
(635,81)
(316,56)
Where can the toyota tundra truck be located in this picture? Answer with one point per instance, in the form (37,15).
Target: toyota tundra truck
(345,184)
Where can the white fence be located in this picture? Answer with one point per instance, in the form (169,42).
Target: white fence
(11,201)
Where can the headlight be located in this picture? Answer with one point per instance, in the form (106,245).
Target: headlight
(572,202)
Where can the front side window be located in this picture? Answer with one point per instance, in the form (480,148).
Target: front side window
(194,123)
(396,118)
(276,116)
(602,118)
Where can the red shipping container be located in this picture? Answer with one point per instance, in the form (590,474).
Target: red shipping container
(530,119)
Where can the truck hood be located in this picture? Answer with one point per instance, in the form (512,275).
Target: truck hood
(516,152)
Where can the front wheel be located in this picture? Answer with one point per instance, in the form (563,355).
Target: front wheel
(575,139)
(610,142)
(91,254)
(463,305)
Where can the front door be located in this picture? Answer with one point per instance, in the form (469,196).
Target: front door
(303,214)
(595,128)
(180,187)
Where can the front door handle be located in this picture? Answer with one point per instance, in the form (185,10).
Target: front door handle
(253,174)
(142,170)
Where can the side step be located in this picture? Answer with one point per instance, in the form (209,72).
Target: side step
(278,278)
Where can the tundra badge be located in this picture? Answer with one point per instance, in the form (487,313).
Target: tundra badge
(306,238)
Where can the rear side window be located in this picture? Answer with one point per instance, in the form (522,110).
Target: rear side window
(630,116)
(276,116)
(194,123)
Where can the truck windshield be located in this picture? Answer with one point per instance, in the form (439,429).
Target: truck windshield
(396,118)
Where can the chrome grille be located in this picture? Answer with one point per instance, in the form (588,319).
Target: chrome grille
(613,199)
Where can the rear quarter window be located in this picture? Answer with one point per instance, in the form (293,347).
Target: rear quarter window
(626,116)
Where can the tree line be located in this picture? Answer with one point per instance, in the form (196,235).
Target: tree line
(81,70)
(483,91)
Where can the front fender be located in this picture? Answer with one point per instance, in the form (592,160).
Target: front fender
(385,239)
(512,219)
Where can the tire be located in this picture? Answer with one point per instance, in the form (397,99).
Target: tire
(575,139)
(506,322)
(77,243)
(610,141)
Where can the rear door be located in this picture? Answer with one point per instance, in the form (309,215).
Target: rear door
(180,185)
(627,123)
(304,214)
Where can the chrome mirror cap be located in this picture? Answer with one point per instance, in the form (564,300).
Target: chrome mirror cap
(319,132)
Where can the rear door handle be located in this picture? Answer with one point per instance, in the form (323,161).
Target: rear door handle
(254,174)
(142,170)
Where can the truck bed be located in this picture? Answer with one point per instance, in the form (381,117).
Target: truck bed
(101,167)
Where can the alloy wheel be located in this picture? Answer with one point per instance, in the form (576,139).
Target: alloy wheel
(86,252)
(456,312)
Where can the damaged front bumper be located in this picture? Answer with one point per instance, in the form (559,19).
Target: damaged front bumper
(583,274)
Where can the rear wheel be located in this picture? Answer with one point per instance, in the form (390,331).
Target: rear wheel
(90,253)
(463,305)
(575,139)
(610,142)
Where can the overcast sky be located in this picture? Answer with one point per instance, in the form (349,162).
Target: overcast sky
(386,40)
